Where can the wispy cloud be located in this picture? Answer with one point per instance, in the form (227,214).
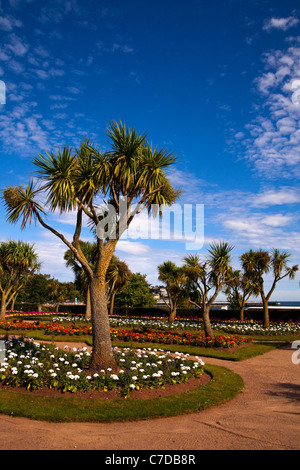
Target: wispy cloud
(282,24)
(272,139)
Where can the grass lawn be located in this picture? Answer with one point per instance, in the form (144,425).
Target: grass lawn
(223,386)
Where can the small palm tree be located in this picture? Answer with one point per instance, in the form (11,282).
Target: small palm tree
(239,289)
(212,273)
(258,263)
(174,278)
(18,261)
(118,275)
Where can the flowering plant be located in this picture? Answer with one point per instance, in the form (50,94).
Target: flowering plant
(32,365)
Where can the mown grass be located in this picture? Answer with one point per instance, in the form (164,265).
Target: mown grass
(240,354)
(223,386)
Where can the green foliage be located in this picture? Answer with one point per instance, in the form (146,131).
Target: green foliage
(136,293)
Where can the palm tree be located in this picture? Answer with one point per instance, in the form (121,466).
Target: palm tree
(203,276)
(118,275)
(239,289)
(18,261)
(258,263)
(130,174)
(174,278)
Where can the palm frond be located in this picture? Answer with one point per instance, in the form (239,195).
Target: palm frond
(21,204)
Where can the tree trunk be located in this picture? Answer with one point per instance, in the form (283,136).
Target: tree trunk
(241,312)
(12,307)
(112,302)
(88,310)
(3,307)
(206,322)
(266,319)
(102,353)
(172,315)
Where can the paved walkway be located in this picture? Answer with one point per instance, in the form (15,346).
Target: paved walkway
(266,416)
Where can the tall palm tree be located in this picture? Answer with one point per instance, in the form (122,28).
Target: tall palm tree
(131,174)
(174,278)
(206,275)
(18,261)
(258,263)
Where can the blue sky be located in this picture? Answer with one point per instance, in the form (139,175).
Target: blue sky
(215,82)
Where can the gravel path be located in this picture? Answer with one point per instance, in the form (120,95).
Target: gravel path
(266,416)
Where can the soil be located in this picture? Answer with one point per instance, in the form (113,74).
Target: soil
(143,393)
(264,417)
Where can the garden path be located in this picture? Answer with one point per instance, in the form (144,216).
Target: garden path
(266,416)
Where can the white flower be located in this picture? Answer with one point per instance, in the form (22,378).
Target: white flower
(132,386)
(114,377)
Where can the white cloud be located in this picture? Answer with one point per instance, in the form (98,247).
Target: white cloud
(287,195)
(282,24)
(17,46)
(135,248)
(272,142)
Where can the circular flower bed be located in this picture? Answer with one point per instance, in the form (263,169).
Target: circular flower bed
(25,363)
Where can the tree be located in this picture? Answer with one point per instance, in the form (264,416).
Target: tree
(136,293)
(129,177)
(206,275)
(118,275)
(238,290)
(174,278)
(257,263)
(59,292)
(18,261)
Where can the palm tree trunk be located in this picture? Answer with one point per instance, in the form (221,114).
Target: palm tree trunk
(88,310)
(206,322)
(3,307)
(241,313)
(172,315)
(112,302)
(12,306)
(102,353)
(266,318)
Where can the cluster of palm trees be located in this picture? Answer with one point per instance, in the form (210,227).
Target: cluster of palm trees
(85,180)
(201,280)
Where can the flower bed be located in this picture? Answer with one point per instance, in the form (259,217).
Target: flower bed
(155,336)
(32,365)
